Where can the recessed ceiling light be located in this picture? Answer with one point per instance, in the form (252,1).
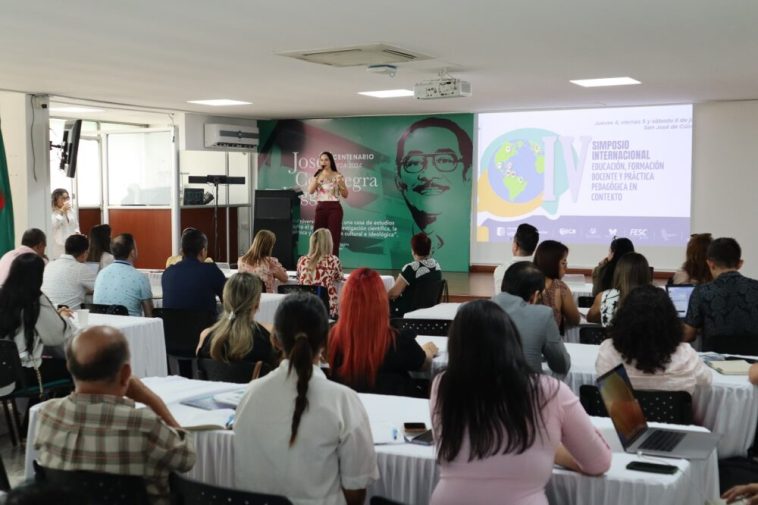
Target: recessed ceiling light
(219,102)
(73,109)
(387,93)
(608,81)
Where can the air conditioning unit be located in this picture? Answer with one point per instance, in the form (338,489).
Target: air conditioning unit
(231,136)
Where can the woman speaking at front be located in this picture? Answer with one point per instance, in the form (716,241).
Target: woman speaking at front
(329,186)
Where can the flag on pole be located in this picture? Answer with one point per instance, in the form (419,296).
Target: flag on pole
(7,239)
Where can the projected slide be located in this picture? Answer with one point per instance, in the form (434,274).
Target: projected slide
(585,176)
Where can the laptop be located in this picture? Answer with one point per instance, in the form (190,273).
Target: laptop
(633,431)
(680,297)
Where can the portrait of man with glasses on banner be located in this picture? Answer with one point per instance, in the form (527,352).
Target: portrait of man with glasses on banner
(433,173)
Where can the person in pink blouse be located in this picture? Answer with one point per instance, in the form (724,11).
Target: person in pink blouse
(329,186)
(320,267)
(258,260)
(647,338)
(499,427)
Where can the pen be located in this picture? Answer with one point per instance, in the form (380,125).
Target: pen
(230,422)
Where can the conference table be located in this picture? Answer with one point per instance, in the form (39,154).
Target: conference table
(147,344)
(448,310)
(409,473)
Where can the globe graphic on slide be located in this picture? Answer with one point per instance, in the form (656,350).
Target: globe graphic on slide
(513,172)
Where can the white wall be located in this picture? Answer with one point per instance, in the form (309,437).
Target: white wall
(28,171)
(724,188)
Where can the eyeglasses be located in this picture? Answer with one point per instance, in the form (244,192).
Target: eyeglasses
(444,162)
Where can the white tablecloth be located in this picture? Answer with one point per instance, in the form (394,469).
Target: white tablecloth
(408,473)
(729,406)
(268,306)
(147,344)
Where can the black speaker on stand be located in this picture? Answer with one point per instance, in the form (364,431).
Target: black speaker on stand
(278,210)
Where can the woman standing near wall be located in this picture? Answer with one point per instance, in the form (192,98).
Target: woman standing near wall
(65,222)
(329,186)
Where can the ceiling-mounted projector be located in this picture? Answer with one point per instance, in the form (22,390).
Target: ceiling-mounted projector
(442,88)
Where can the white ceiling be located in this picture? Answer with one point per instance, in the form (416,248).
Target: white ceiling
(517,55)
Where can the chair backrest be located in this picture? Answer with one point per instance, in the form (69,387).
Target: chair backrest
(10,365)
(585,302)
(189,492)
(101,488)
(732,344)
(240,372)
(182,328)
(592,335)
(427,293)
(432,327)
(673,407)
(315,289)
(113,310)
(378,500)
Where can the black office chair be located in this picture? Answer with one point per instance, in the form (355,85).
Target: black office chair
(100,488)
(592,335)
(432,327)
(732,344)
(113,310)
(420,295)
(317,290)
(672,407)
(585,302)
(182,328)
(11,374)
(240,372)
(185,491)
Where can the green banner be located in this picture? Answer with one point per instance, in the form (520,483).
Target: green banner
(6,204)
(404,174)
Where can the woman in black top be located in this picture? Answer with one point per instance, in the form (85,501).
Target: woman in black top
(365,353)
(236,336)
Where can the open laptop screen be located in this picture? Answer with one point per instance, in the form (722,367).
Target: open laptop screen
(680,296)
(623,408)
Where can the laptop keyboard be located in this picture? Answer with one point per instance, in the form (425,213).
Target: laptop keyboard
(661,440)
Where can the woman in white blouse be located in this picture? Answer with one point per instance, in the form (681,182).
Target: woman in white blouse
(65,222)
(29,319)
(298,434)
(632,270)
(647,338)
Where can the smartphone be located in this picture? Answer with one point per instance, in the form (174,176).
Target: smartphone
(641,466)
(424,438)
(414,428)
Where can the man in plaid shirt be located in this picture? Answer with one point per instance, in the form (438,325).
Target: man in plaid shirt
(97,427)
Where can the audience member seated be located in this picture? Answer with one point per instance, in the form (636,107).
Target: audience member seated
(499,426)
(97,427)
(121,284)
(552,258)
(297,433)
(632,270)
(745,494)
(695,268)
(727,306)
(647,338)
(422,268)
(258,260)
(29,318)
(32,241)
(522,287)
(321,267)
(192,284)
(68,280)
(100,246)
(236,336)
(365,353)
(524,243)
(172,260)
(602,274)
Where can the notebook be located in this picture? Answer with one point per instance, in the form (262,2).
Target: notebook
(730,367)
(632,428)
(680,297)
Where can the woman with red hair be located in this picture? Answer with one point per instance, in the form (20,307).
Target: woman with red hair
(365,352)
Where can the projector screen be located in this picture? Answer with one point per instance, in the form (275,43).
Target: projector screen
(585,176)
